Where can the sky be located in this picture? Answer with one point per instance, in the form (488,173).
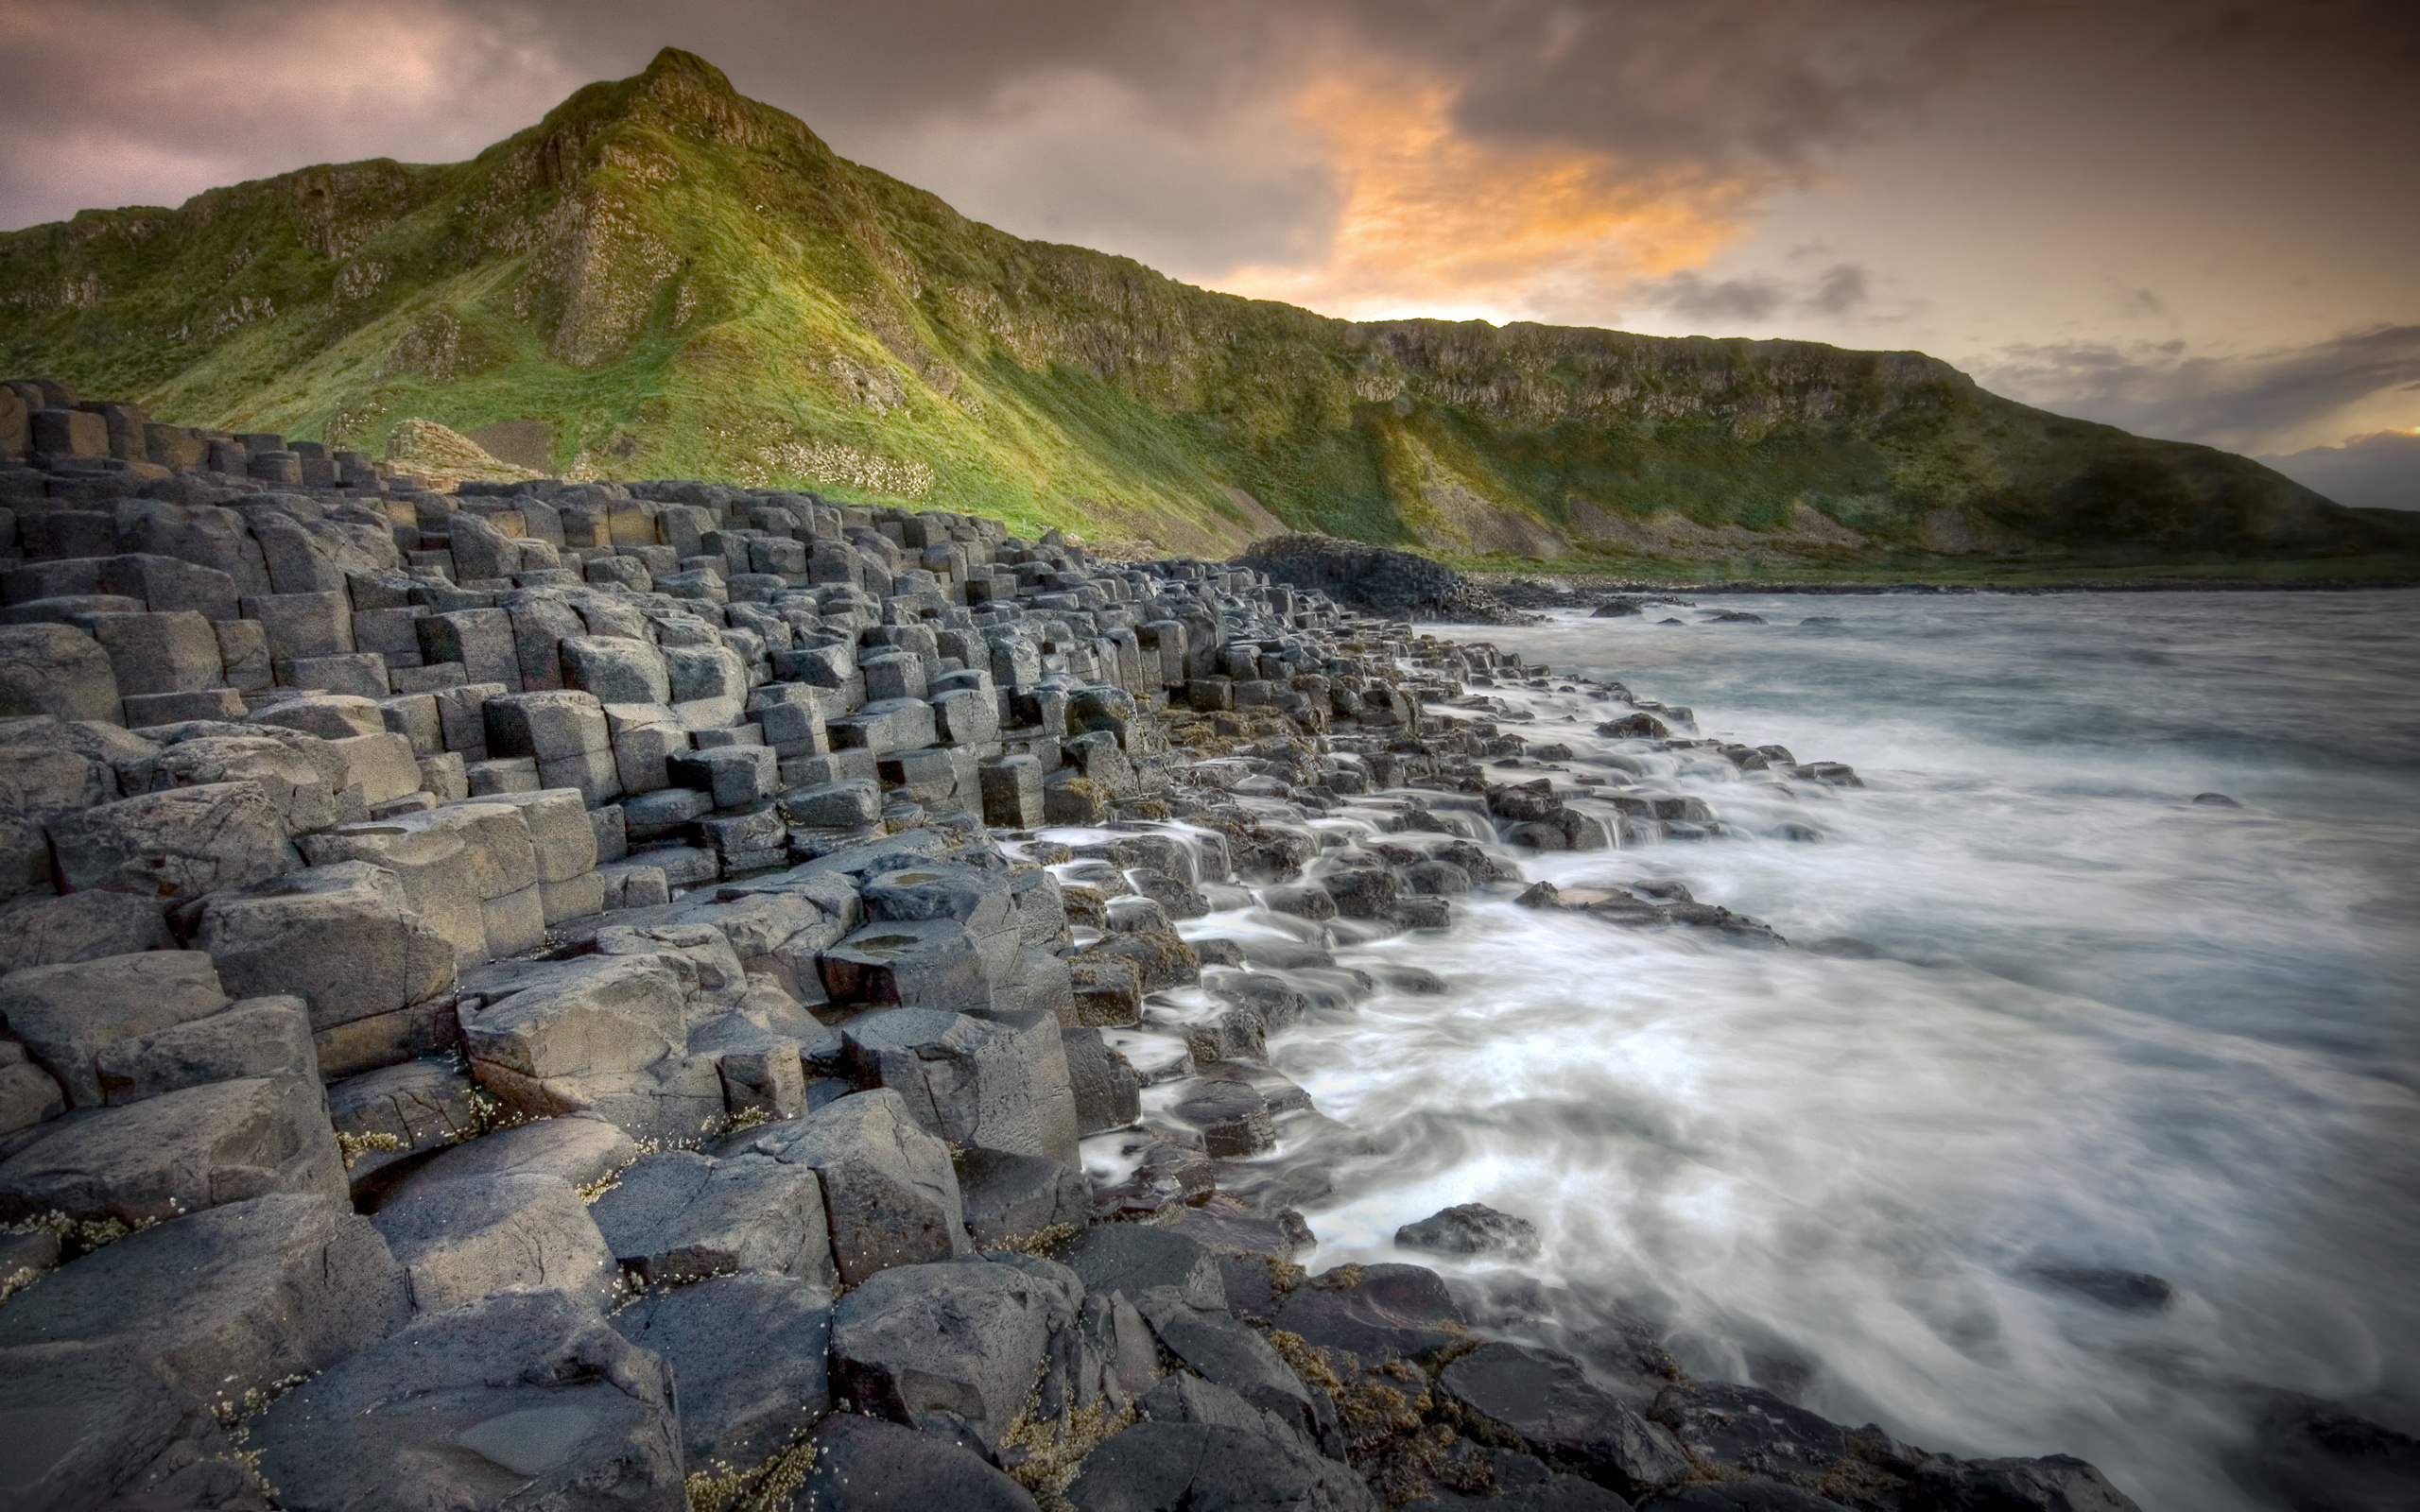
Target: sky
(2194,218)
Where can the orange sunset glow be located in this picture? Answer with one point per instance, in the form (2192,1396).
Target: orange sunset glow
(1435,222)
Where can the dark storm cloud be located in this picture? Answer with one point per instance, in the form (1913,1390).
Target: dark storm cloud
(1732,305)
(2380,471)
(110,100)
(2246,403)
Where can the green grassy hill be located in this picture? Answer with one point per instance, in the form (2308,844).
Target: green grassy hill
(681,281)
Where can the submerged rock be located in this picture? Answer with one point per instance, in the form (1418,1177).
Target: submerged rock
(1472,1228)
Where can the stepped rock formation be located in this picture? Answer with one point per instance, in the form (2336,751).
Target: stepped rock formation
(593,995)
(664,278)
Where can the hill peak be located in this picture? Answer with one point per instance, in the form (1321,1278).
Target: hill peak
(674,280)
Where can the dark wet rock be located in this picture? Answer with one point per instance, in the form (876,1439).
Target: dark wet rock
(1549,1493)
(2310,1456)
(1472,1228)
(1755,1494)
(1235,1118)
(2055,1482)
(2124,1289)
(1377,1312)
(518,1401)
(1184,1398)
(1638,725)
(867,1465)
(2216,800)
(1229,1227)
(1136,1258)
(1543,1404)
(1190,1467)
(1736,616)
(1217,1347)
(750,1356)
(1108,1093)
(1748,1428)
(1614,609)
(1378,581)
(1010,1197)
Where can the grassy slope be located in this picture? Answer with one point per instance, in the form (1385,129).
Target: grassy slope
(688,283)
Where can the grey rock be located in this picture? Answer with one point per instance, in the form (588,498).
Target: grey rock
(177,1153)
(919,964)
(1388,1310)
(855,801)
(1157,1467)
(579,1152)
(86,1422)
(226,1301)
(1471,1228)
(29,1096)
(50,669)
(778,935)
(751,1355)
(517,1401)
(560,837)
(998,1081)
(890,1195)
(471,1238)
(679,1216)
(38,783)
(387,1118)
(67,1014)
(328,715)
(257,1037)
(344,937)
(83,926)
(177,844)
(948,1348)
(616,670)
(295,786)
(603,1035)
(1137,1258)
(867,1465)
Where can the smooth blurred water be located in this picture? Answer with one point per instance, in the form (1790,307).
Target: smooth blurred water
(2108,1027)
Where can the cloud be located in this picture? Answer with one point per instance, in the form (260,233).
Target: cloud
(1437,222)
(2380,471)
(1525,158)
(118,102)
(1725,306)
(2270,401)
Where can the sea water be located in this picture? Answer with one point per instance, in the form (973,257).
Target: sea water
(2101,1027)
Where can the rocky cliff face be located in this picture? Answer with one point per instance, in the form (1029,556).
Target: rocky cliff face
(676,280)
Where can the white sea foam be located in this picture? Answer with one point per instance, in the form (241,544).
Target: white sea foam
(2108,1027)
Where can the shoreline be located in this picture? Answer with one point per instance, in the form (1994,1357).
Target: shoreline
(1594,583)
(645,923)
